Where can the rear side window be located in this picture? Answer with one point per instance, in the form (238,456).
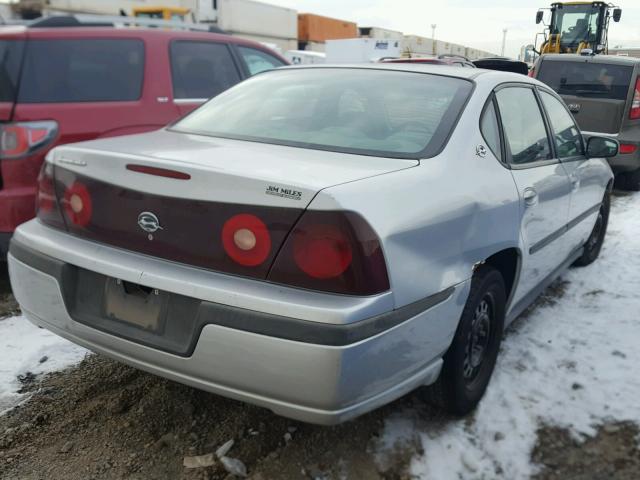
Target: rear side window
(523,125)
(258,61)
(490,129)
(582,79)
(10,59)
(566,134)
(201,69)
(86,70)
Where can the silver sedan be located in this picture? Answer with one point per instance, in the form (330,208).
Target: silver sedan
(322,240)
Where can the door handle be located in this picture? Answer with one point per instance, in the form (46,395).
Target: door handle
(530,197)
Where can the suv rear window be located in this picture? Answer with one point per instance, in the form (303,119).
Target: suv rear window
(10,59)
(86,70)
(372,112)
(581,79)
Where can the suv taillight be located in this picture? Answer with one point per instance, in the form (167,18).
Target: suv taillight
(47,207)
(332,252)
(634,113)
(21,139)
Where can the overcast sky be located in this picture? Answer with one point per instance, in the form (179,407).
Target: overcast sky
(475,23)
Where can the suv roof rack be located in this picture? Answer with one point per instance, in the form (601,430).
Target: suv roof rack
(87,20)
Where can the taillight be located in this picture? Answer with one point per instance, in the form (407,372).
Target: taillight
(333,252)
(627,148)
(634,113)
(77,204)
(47,208)
(532,72)
(246,240)
(21,139)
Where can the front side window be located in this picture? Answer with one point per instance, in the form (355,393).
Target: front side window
(524,129)
(83,70)
(373,112)
(566,134)
(201,69)
(258,61)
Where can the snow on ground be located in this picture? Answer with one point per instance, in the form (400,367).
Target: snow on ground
(572,363)
(23,348)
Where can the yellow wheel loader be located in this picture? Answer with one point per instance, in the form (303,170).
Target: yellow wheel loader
(576,27)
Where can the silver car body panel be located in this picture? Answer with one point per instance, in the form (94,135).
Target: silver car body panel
(437,219)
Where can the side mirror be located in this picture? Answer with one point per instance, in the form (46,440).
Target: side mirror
(617,13)
(602,147)
(540,13)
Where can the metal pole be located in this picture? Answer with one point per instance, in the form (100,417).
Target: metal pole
(504,41)
(433,37)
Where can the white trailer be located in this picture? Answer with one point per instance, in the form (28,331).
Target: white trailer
(361,50)
(380,33)
(416,45)
(305,57)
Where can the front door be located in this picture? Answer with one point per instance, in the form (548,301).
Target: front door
(542,182)
(585,174)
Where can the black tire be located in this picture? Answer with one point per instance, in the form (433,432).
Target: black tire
(629,181)
(595,241)
(467,370)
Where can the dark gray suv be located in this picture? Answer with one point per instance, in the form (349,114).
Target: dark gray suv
(603,93)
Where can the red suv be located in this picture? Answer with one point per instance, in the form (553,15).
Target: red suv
(68,84)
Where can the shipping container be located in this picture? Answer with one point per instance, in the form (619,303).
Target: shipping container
(377,32)
(361,50)
(257,18)
(413,44)
(316,28)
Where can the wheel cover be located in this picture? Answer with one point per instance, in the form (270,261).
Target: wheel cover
(478,339)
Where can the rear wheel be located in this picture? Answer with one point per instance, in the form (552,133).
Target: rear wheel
(471,358)
(595,241)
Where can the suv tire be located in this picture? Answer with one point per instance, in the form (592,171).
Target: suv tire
(595,241)
(471,358)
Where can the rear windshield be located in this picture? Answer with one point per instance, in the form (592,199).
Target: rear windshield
(10,59)
(594,80)
(373,112)
(87,70)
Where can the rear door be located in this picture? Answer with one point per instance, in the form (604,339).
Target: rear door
(595,92)
(200,70)
(542,183)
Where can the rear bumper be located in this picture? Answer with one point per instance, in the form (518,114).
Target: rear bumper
(309,370)
(17,205)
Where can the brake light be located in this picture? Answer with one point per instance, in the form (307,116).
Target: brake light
(47,208)
(246,240)
(322,251)
(21,139)
(77,204)
(334,252)
(627,148)
(634,113)
(532,72)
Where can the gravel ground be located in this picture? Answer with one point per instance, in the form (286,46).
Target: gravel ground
(104,420)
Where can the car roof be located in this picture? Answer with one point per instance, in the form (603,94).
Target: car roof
(475,74)
(611,59)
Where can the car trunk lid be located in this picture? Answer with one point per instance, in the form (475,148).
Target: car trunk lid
(180,197)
